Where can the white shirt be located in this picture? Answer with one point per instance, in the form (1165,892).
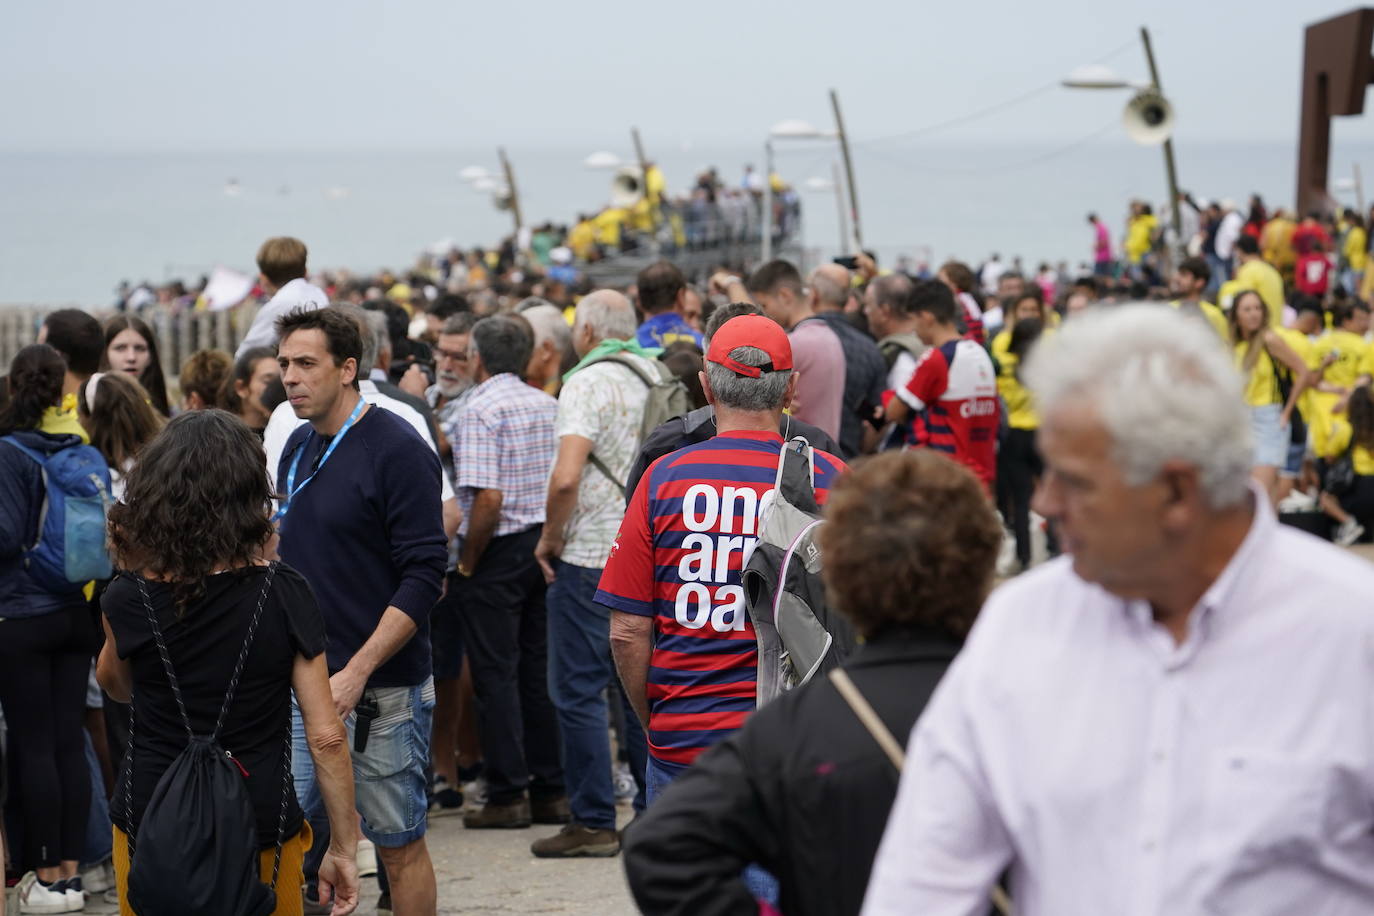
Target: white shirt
(297,294)
(284,422)
(604,403)
(1117,772)
(1228,233)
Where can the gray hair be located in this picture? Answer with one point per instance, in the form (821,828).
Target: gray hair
(375,337)
(458,323)
(1165,388)
(828,289)
(608,314)
(548,323)
(743,393)
(504,342)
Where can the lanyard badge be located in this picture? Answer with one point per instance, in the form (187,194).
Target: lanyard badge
(291,488)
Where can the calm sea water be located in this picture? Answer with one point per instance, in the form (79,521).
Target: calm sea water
(73,225)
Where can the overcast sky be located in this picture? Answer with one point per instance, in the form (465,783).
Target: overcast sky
(282,74)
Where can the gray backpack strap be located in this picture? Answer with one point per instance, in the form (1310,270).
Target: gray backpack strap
(600,465)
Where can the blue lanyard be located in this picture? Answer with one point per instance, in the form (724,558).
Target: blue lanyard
(291,488)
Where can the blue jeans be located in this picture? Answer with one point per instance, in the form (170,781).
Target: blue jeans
(761,884)
(580,673)
(99,835)
(1221,272)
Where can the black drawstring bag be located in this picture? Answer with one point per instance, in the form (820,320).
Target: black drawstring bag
(197,844)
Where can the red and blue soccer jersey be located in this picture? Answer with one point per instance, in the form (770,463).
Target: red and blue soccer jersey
(693,520)
(955,388)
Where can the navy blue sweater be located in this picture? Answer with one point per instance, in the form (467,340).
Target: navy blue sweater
(367,533)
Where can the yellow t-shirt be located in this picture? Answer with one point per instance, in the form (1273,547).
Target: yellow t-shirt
(63,420)
(1138,236)
(581,238)
(1215,317)
(1353,354)
(1261,385)
(607,224)
(1356,242)
(1264,279)
(1276,242)
(1337,441)
(1021,412)
(1303,347)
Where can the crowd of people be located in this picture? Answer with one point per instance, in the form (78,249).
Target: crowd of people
(472,544)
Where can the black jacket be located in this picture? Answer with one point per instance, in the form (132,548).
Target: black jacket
(803,790)
(700,425)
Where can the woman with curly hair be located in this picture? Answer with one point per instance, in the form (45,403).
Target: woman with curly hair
(188,541)
(131,347)
(804,789)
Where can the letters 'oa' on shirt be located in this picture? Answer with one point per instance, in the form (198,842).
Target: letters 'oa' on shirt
(956,389)
(678,558)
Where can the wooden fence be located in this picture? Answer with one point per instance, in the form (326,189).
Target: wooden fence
(178,335)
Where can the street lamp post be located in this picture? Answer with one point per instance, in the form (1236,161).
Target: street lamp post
(783,130)
(1100,77)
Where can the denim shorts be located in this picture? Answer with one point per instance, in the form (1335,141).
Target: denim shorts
(389,775)
(1269,436)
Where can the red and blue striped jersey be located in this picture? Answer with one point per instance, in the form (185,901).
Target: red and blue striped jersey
(955,388)
(687,534)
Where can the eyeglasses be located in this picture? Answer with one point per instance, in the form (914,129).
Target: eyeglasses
(458,356)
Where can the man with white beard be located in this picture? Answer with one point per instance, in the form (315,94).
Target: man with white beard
(452,373)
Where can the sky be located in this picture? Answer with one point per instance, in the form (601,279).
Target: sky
(146,75)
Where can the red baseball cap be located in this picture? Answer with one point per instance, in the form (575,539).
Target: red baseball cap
(751,331)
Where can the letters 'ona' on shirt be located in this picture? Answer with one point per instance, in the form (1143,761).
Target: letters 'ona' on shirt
(693,520)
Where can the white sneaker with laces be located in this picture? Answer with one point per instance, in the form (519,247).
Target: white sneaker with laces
(36,897)
(1348,533)
(367,858)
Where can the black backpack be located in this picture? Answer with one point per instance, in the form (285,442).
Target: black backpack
(197,843)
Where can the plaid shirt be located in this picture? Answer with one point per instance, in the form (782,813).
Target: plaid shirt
(506,442)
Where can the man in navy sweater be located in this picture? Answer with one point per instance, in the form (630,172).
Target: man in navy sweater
(360,519)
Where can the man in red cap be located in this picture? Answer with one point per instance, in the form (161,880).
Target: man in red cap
(680,633)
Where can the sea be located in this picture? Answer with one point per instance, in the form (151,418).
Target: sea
(73,225)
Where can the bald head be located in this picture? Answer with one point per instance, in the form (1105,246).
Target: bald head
(830,284)
(602,314)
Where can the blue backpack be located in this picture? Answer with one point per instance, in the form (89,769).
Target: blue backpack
(70,550)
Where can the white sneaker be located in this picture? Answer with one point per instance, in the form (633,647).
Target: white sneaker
(474,794)
(37,897)
(1348,533)
(97,879)
(1297,501)
(367,858)
(75,891)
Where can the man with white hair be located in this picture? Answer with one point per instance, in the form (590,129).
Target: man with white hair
(599,418)
(552,342)
(1173,718)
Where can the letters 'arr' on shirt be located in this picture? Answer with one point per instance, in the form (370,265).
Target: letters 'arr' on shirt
(604,403)
(1233,773)
(506,442)
(678,557)
(954,385)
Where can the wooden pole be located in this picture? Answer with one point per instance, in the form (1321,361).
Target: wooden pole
(1170,172)
(514,193)
(644,177)
(848,171)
